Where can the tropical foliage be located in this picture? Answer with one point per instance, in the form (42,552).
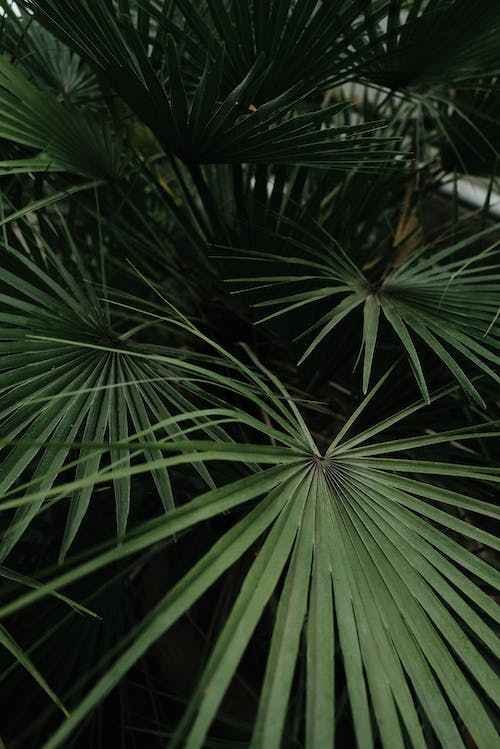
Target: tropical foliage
(250,348)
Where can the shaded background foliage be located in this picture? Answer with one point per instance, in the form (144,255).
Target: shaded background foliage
(228,264)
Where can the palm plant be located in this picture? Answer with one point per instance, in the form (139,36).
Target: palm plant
(217,533)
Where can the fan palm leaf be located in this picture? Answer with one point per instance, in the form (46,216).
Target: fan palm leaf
(68,377)
(41,55)
(205,124)
(439,42)
(439,299)
(348,531)
(67,139)
(335,558)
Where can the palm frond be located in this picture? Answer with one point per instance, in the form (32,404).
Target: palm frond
(67,139)
(450,42)
(39,54)
(8,642)
(69,378)
(351,524)
(440,299)
(283,34)
(205,124)
(215,549)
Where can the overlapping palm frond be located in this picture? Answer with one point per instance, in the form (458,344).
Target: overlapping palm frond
(428,59)
(464,44)
(201,122)
(281,32)
(441,299)
(70,379)
(66,138)
(38,53)
(262,134)
(230,104)
(336,557)
(358,541)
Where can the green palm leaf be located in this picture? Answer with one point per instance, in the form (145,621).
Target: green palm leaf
(8,642)
(203,123)
(68,140)
(282,32)
(440,42)
(68,377)
(43,56)
(449,304)
(267,570)
(349,523)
